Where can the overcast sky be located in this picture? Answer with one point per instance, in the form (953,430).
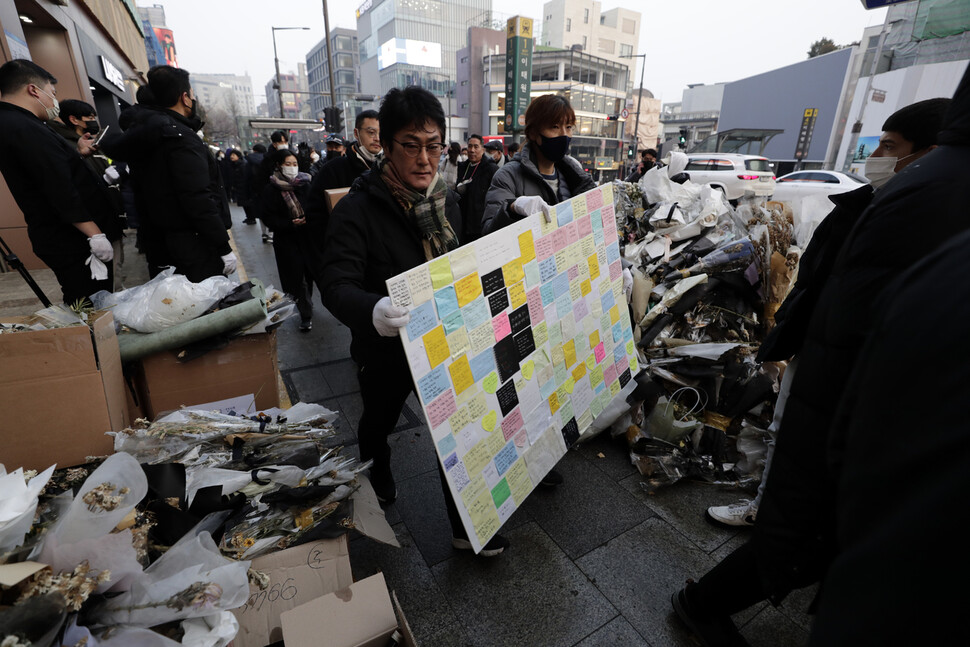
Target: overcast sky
(687,41)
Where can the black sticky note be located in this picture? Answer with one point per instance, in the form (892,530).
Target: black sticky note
(506,358)
(508,399)
(498,301)
(493,281)
(524,343)
(570,433)
(624,377)
(519,319)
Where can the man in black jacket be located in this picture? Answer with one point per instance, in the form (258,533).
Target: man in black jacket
(474,179)
(794,538)
(64,206)
(176,180)
(395,218)
(254,183)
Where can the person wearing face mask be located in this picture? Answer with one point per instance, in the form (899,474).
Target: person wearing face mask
(283,209)
(176,180)
(542,174)
(495,150)
(63,202)
(822,323)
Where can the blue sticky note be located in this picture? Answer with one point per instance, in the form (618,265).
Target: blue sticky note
(505,458)
(422,320)
(531,270)
(560,284)
(564,213)
(598,235)
(547,269)
(600,386)
(607,300)
(627,333)
(564,305)
(546,389)
(447,444)
(547,292)
(476,313)
(618,353)
(453,322)
(433,384)
(612,252)
(446,301)
(451,461)
(595,216)
(617,332)
(483,364)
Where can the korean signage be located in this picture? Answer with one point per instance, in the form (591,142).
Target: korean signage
(805,133)
(112,74)
(518,72)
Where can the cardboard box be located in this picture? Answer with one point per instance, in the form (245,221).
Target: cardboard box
(360,615)
(247,365)
(301,574)
(61,390)
(334,196)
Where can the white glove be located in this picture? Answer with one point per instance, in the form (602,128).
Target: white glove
(628,284)
(228,263)
(111,175)
(530,204)
(389,318)
(99,271)
(101,247)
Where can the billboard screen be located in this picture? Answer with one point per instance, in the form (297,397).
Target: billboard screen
(167,41)
(411,52)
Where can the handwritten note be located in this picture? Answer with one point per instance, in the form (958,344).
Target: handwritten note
(461,374)
(436,346)
(440,269)
(468,289)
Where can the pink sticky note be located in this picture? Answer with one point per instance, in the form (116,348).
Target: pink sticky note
(599,352)
(615,270)
(594,199)
(572,272)
(501,326)
(609,374)
(512,423)
(609,222)
(580,309)
(521,438)
(584,227)
(558,239)
(544,247)
(441,408)
(534,299)
(572,235)
(622,365)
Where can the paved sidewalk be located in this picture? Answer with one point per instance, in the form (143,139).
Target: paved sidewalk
(592,563)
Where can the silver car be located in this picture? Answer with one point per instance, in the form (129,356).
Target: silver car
(732,173)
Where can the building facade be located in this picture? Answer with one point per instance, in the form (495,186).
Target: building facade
(346,70)
(471,91)
(228,92)
(294,88)
(612,34)
(696,113)
(647,127)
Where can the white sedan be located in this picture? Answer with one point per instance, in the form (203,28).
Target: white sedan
(802,184)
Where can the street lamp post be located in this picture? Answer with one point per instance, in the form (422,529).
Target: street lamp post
(330,56)
(276,58)
(636,127)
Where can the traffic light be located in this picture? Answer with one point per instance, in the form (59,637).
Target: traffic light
(612,117)
(632,152)
(338,120)
(682,141)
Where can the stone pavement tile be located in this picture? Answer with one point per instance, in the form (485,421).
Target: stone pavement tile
(412,453)
(615,633)
(309,384)
(421,505)
(588,509)
(531,595)
(341,376)
(615,462)
(683,506)
(425,606)
(639,570)
(771,628)
(796,606)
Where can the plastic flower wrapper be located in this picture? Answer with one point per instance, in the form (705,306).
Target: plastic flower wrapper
(34,622)
(191,580)
(18,503)
(231,481)
(216,630)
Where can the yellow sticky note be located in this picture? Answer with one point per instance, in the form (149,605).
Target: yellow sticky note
(477,407)
(595,376)
(494,442)
(594,267)
(459,420)
(484,516)
(614,314)
(579,371)
(553,403)
(588,245)
(585,287)
(436,346)
(574,254)
(528,369)
(440,269)
(579,207)
(569,352)
(558,355)
(468,289)
(488,422)
(475,487)
(629,347)
(615,388)
(594,339)
(478,457)
(546,227)
(569,385)
(513,272)
(591,362)
(527,246)
(575,290)
(461,374)
(633,364)
(517,295)
(519,481)
(490,383)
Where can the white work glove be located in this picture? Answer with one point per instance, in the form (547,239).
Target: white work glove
(628,284)
(527,205)
(101,247)
(99,271)
(111,176)
(389,318)
(228,263)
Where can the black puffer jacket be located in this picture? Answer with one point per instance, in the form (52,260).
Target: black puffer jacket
(369,239)
(521,177)
(177,182)
(797,514)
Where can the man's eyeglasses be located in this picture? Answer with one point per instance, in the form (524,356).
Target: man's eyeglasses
(411,149)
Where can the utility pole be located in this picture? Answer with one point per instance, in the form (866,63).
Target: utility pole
(276,58)
(326,26)
(636,127)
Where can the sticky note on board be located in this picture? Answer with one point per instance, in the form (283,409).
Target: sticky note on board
(553,403)
(419,281)
(513,272)
(422,320)
(440,270)
(399,292)
(458,342)
(527,246)
(446,301)
(594,267)
(569,352)
(468,289)
(436,346)
(463,261)
(501,326)
(517,295)
(488,422)
(461,374)
(490,383)
(528,369)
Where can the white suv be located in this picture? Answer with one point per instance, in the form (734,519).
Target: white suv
(732,173)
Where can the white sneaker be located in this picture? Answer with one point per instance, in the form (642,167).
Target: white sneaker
(736,514)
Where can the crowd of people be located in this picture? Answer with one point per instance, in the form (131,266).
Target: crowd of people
(857,485)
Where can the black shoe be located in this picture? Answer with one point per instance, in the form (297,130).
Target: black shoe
(306,326)
(383,482)
(712,631)
(552,479)
(265,238)
(249,221)
(495,546)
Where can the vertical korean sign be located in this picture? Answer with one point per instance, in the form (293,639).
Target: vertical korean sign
(809,115)
(518,72)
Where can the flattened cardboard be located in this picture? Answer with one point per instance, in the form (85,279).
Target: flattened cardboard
(13,574)
(402,623)
(369,517)
(67,389)
(360,615)
(334,196)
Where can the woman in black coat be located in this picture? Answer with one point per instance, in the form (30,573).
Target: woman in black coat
(282,209)
(236,176)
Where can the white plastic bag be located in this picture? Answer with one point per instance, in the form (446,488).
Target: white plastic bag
(166,300)
(18,502)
